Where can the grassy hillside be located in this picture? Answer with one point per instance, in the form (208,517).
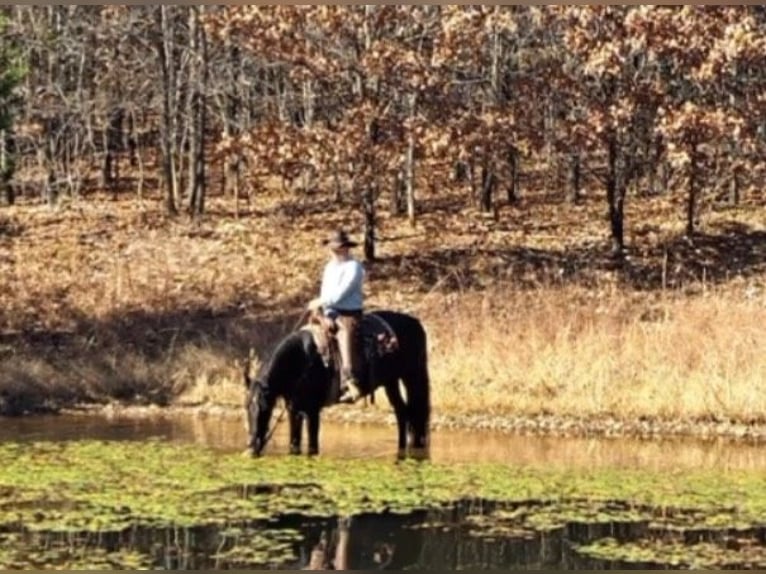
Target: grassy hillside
(527,313)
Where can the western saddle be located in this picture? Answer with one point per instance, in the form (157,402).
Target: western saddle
(375,339)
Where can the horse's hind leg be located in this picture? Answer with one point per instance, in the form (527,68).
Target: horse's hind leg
(296,432)
(394,395)
(313,424)
(418,407)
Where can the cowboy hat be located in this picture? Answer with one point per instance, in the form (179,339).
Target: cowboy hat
(338,239)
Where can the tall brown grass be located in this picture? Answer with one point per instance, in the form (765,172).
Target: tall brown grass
(152,309)
(559,352)
(573,353)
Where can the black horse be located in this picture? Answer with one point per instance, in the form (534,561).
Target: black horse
(297,373)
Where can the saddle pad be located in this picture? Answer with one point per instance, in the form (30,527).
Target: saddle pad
(377,335)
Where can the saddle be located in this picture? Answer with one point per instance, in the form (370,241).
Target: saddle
(375,339)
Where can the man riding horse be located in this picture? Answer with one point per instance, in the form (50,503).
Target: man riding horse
(381,349)
(339,308)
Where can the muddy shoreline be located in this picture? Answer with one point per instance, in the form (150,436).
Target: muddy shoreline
(541,425)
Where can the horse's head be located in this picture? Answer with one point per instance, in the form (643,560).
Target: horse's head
(280,376)
(258,408)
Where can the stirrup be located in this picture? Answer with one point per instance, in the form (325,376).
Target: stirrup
(351,393)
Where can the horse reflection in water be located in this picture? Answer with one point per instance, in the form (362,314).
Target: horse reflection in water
(322,554)
(361,548)
(297,373)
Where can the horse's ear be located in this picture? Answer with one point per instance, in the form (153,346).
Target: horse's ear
(248,369)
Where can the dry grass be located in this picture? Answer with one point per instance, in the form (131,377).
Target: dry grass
(108,299)
(555,352)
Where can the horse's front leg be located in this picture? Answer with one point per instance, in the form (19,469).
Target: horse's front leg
(296,431)
(313,424)
(400,410)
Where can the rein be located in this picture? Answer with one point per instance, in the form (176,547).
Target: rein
(269,434)
(301,319)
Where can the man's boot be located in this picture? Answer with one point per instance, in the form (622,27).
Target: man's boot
(350,391)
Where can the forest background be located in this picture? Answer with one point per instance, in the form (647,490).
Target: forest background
(570,197)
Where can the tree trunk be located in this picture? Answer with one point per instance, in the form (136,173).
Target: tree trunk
(655,166)
(107,173)
(202,127)
(231,122)
(112,144)
(368,206)
(49,162)
(4,167)
(337,186)
(471,176)
(513,165)
(308,103)
(166,128)
(280,91)
(198,77)
(575,180)
(615,194)
(6,170)
(734,188)
(495,66)
(691,199)
(549,137)
(409,177)
(734,182)
(488,181)
(191,117)
(398,192)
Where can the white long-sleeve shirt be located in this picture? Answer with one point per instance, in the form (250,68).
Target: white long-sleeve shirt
(342,283)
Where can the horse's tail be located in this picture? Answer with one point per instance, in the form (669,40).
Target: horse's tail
(419,391)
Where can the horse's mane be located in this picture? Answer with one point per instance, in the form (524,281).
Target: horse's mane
(283,347)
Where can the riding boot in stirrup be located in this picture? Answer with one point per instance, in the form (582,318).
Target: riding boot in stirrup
(350,393)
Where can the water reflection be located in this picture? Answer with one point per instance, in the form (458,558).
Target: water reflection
(227,433)
(454,538)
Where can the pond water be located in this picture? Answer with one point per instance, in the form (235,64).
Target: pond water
(542,531)
(345,440)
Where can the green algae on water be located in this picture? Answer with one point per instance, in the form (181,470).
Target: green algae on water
(731,553)
(256,547)
(38,552)
(101,487)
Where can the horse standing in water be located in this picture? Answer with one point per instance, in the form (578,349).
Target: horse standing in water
(297,373)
